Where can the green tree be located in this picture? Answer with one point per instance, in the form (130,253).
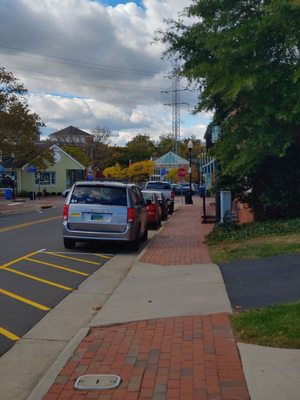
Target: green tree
(78,154)
(140,148)
(19,128)
(244,57)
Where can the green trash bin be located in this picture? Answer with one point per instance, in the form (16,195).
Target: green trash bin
(8,194)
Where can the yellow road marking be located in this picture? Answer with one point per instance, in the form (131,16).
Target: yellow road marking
(10,228)
(102,256)
(8,334)
(38,279)
(57,266)
(70,258)
(18,259)
(24,300)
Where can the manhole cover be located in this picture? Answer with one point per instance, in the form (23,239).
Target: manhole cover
(97,382)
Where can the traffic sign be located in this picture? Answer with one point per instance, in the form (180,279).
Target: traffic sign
(181,172)
(31,169)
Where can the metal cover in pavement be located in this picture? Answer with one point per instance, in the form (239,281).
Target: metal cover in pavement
(97,382)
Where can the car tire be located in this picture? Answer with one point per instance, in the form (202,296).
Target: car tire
(144,238)
(135,244)
(69,243)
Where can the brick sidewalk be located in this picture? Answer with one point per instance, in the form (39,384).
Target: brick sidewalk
(181,240)
(187,358)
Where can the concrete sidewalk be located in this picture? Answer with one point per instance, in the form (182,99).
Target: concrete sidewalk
(163,327)
(20,205)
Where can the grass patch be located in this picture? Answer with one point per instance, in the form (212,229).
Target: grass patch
(229,251)
(254,240)
(274,326)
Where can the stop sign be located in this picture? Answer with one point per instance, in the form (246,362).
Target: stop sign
(181,172)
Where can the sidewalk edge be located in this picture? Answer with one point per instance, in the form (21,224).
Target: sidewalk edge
(47,380)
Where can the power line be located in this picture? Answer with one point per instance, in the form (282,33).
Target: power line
(79,63)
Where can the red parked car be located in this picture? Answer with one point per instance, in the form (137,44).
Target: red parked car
(153,209)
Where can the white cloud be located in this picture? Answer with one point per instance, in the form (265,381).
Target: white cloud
(86,64)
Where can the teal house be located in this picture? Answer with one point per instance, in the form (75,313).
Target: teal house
(52,180)
(167,162)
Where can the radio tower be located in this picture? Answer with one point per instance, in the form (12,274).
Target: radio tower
(175,110)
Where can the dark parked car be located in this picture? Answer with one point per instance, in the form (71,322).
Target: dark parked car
(153,209)
(163,205)
(104,211)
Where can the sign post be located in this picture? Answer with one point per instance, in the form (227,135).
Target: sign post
(32,170)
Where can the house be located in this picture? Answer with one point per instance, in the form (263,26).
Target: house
(54,179)
(73,137)
(167,162)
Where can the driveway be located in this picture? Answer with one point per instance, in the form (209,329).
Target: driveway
(262,282)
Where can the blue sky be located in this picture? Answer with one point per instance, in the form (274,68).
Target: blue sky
(94,64)
(116,2)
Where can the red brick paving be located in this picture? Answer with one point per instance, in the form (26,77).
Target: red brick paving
(192,357)
(181,241)
(176,358)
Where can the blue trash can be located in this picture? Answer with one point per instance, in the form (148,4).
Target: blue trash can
(8,194)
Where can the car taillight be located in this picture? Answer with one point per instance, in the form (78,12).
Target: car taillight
(172,194)
(151,207)
(130,214)
(66,212)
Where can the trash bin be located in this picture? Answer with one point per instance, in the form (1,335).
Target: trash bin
(202,191)
(32,195)
(8,194)
(188,198)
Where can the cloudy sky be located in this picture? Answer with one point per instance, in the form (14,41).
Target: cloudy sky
(92,63)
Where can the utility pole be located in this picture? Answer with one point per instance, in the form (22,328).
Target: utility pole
(175,111)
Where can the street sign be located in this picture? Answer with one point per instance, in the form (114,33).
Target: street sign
(181,172)
(31,169)
(163,172)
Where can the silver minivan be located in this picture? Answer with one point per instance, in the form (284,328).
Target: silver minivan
(104,211)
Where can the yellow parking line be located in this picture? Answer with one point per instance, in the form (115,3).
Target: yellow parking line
(18,259)
(102,256)
(8,334)
(38,279)
(57,266)
(24,300)
(70,258)
(11,228)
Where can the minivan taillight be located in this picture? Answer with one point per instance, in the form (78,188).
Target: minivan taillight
(172,194)
(130,214)
(66,212)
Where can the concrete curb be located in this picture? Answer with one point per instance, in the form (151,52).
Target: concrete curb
(45,383)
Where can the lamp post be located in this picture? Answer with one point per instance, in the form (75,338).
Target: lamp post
(189,198)
(12,156)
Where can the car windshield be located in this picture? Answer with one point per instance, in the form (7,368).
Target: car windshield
(158,185)
(148,196)
(99,195)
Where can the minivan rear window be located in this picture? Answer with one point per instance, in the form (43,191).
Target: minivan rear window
(99,195)
(158,185)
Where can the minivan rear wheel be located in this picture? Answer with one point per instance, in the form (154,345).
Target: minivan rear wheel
(69,243)
(135,244)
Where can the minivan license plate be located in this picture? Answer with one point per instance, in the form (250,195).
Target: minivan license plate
(96,217)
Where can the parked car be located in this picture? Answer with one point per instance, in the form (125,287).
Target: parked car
(153,209)
(163,205)
(186,188)
(178,189)
(104,211)
(165,188)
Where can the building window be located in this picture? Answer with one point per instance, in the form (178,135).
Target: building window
(46,178)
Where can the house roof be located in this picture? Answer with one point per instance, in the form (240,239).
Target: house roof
(70,131)
(171,159)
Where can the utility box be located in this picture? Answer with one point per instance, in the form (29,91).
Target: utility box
(225,204)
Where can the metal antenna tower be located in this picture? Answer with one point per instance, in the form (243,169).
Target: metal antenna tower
(175,110)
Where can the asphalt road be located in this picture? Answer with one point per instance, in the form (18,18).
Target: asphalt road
(36,272)
(262,282)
